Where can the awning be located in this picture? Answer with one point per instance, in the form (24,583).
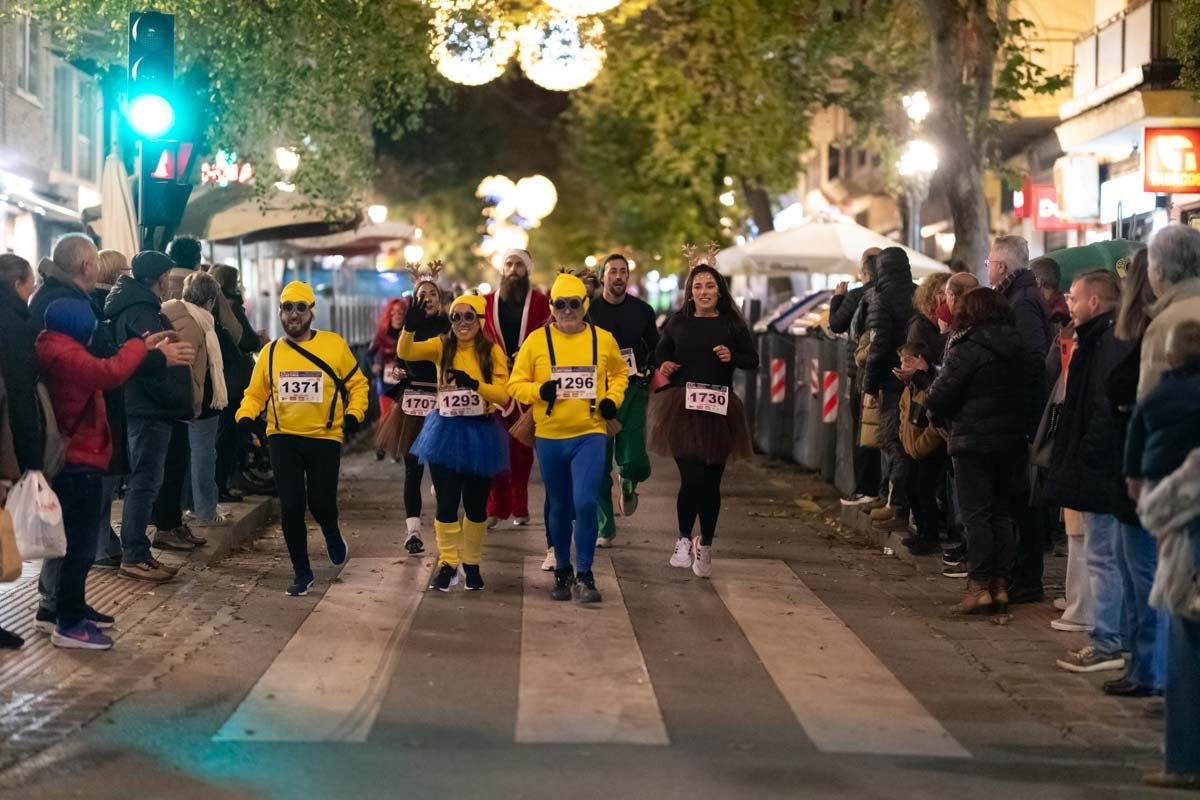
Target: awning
(366,239)
(233,213)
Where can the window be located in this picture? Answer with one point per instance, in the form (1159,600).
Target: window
(29,53)
(87,130)
(76,123)
(834,157)
(64,118)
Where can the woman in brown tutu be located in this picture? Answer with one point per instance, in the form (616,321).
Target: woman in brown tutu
(697,419)
(416,397)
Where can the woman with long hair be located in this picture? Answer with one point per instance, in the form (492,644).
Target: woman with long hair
(462,442)
(978,395)
(697,419)
(414,394)
(383,356)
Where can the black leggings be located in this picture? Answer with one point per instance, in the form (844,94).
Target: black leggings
(453,487)
(699,496)
(306,473)
(414,472)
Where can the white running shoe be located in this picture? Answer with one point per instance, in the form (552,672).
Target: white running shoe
(702,563)
(520,522)
(1060,603)
(605,541)
(551,562)
(1070,627)
(682,557)
(413,524)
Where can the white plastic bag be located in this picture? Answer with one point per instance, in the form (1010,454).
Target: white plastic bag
(37,518)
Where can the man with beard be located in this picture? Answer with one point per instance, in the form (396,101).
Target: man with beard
(632,322)
(310,385)
(513,311)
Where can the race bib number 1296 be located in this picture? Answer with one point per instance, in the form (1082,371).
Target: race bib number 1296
(575,383)
(301,386)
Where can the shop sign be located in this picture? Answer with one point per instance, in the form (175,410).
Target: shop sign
(1172,163)
(1023,200)
(1046,215)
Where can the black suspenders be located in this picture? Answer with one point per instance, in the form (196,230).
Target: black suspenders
(341,390)
(595,361)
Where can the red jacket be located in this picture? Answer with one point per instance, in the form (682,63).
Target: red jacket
(537,314)
(77,380)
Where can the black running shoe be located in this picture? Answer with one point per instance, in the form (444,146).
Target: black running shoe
(585,588)
(413,544)
(564,579)
(445,578)
(474,579)
(301,583)
(99,619)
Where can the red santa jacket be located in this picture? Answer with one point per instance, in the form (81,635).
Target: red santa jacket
(535,315)
(77,380)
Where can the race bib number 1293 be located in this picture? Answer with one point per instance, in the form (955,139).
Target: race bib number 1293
(455,402)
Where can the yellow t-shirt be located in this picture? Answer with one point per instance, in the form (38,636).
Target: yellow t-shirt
(570,418)
(495,391)
(297,396)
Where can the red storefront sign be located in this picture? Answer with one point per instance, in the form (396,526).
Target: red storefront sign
(1172,160)
(1023,200)
(1046,216)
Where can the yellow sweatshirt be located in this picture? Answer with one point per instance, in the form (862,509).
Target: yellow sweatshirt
(464,359)
(570,418)
(297,395)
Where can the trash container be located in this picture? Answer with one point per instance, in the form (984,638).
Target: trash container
(776,390)
(814,443)
(843,475)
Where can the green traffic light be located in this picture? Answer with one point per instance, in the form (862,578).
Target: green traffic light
(151,115)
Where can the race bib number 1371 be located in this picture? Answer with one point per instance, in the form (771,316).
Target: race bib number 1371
(301,386)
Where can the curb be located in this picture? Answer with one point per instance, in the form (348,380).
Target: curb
(859,522)
(248,520)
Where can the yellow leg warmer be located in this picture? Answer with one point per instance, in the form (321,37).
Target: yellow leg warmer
(473,533)
(449,540)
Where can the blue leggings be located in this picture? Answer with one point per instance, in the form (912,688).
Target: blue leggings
(572,470)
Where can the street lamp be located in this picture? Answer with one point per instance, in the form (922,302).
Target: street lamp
(917,164)
(916,105)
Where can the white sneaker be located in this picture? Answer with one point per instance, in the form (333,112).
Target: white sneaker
(682,557)
(858,500)
(551,562)
(1072,627)
(605,541)
(413,524)
(1060,603)
(520,522)
(702,563)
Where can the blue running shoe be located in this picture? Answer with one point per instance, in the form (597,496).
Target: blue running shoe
(337,549)
(82,636)
(301,583)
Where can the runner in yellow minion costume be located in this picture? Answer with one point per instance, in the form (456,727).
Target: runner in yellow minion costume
(463,443)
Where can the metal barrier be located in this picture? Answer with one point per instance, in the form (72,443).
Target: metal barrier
(815,442)
(776,393)
(847,428)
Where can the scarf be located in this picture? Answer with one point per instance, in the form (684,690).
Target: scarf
(216,365)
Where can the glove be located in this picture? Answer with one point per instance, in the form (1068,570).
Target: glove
(608,409)
(463,381)
(549,391)
(416,316)
(246,427)
(350,424)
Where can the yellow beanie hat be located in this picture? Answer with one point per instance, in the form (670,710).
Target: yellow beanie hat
(477,303)
(568,285)
(297,292)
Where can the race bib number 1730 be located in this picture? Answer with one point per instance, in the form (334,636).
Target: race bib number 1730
(706,397)
(301,386)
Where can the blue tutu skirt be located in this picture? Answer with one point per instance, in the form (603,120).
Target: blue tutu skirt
(472,445)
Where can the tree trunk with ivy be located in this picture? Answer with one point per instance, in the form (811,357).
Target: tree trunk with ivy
(965,39)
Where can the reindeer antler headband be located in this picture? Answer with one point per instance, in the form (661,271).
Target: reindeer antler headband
(695,256)
(414,268)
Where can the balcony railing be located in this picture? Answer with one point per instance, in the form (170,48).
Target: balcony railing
(1110,59)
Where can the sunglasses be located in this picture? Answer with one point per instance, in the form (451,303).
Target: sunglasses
(289,307)
(463,316)
(573,303)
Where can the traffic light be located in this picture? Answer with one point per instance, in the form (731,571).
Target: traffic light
(151,73)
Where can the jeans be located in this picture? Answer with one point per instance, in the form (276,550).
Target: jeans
(985,495)
(167,513)
(1103,532)
(1137,558)
(202,443)
(306,473)
(79,493)
(628,448)
(930,475)
(107,543)
(901,464)
(148,443)
(571,470)
(1183,685)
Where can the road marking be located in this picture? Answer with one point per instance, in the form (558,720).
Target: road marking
(844,697)
(583,678)
(327,683)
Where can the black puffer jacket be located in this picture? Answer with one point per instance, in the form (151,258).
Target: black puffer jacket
(842,308)
(979,391)
(1037,334)
(887,319)
(1085,469)
(152,393)
(925,334)
(20,374)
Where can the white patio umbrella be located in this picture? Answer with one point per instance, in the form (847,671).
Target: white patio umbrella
(828,244)
(117,225)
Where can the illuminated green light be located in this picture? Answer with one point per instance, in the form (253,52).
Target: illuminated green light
(151,115)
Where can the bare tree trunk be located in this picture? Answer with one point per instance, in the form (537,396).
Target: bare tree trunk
(965,39)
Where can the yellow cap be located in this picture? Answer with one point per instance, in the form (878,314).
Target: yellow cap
(477,303)
(297,292)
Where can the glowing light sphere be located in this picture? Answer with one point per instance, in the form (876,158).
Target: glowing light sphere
(536,197)
(560,53)
(471,46)
(582,8)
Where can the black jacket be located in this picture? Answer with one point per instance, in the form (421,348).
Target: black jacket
(152,393)
(979,390)
(842,308)
(887,319)
(19,369)
(927,336)
(249,343)
(1122,386)
(1165,427)
(1037,334)
(1085,469)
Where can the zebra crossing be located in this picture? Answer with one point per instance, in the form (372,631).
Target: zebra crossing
(582,677)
